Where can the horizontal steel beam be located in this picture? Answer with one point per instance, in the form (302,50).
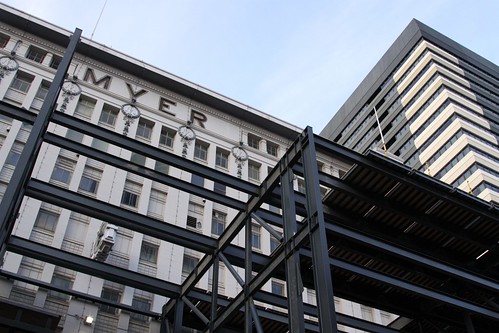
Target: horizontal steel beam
(143,171)
(121,217)
(91,267)
(77,294)
(16,113)
(405,175)
(153,152)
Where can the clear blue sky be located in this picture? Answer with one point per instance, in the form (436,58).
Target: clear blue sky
(296,60)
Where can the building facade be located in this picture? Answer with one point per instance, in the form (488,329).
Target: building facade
(432,103)
(120,94)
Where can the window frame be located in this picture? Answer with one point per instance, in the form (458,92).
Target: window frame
(36,54)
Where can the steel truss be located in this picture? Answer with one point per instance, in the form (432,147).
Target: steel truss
(461,295)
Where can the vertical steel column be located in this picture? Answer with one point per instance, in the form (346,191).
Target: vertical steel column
(248,321)
(14,194)
(320,256)
(214,292)
(294,285)
(178,316)
(468,323)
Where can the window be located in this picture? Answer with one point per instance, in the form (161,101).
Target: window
(256,236)
(149,252)
(55,61)
(140,304)
(195,215)
(218,222)
(43,90)
(4,39)
(100,144)
(161,167)
(74,135)
(188,265)
(219,188)
(63,282)
(201,150)
(222,158)
(138,159)
(112,295)
(144,129)
(36,54)
(77,227)
(366,312)
(253,170)
(85,107)
(157,202)
(253,141)
(277,288)
(167,136)
(22,82)
(108,115)
(63,170)
(46,220)
(272,148)
(197,180)
(90,180)
(13,158)
(131,194)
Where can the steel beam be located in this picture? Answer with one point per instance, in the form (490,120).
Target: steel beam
(404,174)
(121,217)
(77,294)
(320,256)
(413,257)
(421,291)
(254,203)
(153,152)
(91,267)
(292,262)
(12,198)
(17,113)
(140,170)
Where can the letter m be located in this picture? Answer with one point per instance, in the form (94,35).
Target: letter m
(90,77)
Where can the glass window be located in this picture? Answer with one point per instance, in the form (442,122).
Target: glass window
(278,288)
(162,167)
(218,222)
(36,54)
(46,220)
(274,243)
(21,82)
(253,141)
(256,236)
(157,202)
(109,295)
(85,107)
(201,150)
(272,148)
(88,185)
(108,115)
(43,90)
(219,188)
(149,252)
(131,194)
(197,180)
(188,265)
(61,282)
(167,136)
(253,170)
(13,158)
(55,61)
(140,304)
(144,129)
(138,159)
(222,158)
(63,170)
(4,39)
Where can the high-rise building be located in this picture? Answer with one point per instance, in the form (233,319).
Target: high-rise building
(432,103)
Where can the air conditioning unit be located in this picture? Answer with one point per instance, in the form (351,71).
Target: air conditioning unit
(106,237)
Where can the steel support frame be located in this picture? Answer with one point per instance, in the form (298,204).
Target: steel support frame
(11,202)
